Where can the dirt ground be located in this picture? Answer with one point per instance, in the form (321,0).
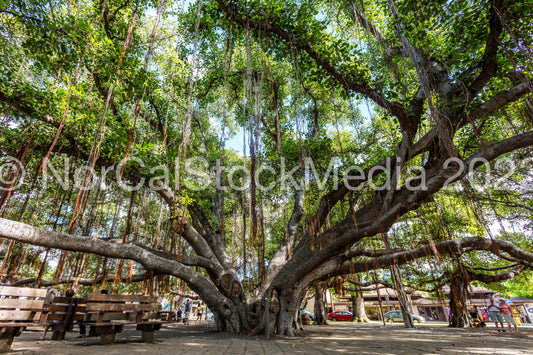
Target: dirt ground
(341,337)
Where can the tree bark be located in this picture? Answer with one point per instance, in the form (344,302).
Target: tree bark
(321,313)
(358,309)
(402,297)
(458,297)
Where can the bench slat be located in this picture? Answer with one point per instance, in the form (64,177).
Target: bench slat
(99,297)
(68,300)
(22,292)
(61,317)
(17,315)
(21,324)
(120,307)
(109,317)
(63,308)
(7,303)
(111,324)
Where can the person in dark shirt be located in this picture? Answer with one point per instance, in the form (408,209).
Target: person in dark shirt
(187,312)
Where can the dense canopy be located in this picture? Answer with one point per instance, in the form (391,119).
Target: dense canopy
(248,150)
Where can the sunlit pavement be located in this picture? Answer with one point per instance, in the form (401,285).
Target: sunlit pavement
(340,337)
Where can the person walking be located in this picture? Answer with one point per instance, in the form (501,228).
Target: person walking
(188,311)
(507,313)
(492,307)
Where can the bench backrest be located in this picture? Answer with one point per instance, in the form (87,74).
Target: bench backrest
(21,304)
(125,307)
(65,310)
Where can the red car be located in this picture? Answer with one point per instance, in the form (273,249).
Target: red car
(335,316)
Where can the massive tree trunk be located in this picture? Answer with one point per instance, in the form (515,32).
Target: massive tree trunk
(321,309)
(358,309)
(458,296)
(226,298)
(286,312)
(321,252)
(209,271)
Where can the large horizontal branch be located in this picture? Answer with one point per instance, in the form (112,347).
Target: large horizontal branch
(197,242)
(329,200)
(449,247)
(368,284)
(362,251)
(497,149)
(188,232)
(486,278)
(394,108)
(370,220)
(493,268)
(50,239)
(500,100)
(189,260)
(78,280)
(379,285)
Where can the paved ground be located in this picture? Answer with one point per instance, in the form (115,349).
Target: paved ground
(339,337)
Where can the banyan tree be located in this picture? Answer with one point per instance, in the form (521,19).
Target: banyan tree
(251,150)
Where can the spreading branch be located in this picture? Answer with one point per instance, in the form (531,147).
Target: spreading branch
(77,280)
(50,239)
(394,108)
(449,247)
(489,65)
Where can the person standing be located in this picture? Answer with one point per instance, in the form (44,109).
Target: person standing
(187,312)
(165,304)
(507,313)
(494,310)
(199,316)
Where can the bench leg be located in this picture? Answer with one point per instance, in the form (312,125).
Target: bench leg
(6,339)
(107,338)
(58,335)
(147,336)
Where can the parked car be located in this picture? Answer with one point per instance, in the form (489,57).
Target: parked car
(397,316)
(311,315)
(335,316)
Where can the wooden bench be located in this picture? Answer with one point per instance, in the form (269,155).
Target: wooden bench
(20,307)
(107,315)
(169,316)
(62,314)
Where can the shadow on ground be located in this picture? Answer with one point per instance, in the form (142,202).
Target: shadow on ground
(335,338)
